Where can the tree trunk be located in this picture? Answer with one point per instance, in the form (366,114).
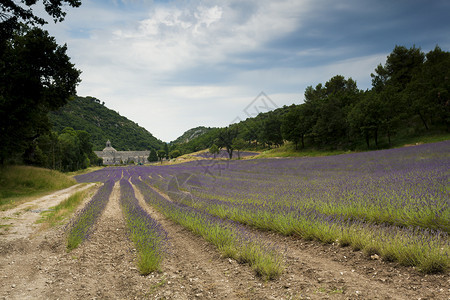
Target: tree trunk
(230,152)
(389,136)
(376,137)
(423,120)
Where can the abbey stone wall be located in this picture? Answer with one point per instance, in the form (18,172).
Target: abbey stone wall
(112,157)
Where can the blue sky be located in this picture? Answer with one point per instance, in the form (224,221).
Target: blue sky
(174,65)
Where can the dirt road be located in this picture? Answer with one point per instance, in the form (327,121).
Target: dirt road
(34,264)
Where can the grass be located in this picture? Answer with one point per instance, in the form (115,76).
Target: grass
(84,171)
(19,184)
(419,138)
(288,149)
(60,212)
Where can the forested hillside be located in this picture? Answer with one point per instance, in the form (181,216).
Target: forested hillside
(409,98)
(102,123)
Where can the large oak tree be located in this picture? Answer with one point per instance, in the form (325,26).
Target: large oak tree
(36,75)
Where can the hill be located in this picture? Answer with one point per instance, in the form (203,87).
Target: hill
(201,138)
(87,113)
(192,134)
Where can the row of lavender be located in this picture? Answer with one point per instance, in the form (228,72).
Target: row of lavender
(231,239)
(376,201)
(147,235)
(83,224)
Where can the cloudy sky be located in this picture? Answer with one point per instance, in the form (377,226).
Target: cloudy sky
(174,65)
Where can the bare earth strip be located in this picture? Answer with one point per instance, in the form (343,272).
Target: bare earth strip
(20,221)
(35,265)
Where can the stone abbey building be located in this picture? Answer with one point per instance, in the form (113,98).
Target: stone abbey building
(113,157)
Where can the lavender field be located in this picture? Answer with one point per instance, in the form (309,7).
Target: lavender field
(393,203)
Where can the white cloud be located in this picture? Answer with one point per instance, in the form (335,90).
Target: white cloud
(172,66)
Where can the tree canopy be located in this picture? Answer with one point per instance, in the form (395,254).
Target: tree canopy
(14,11)
(70,150)
(153,156)
(409,95)
(36,76)
(102,123)
(225,139)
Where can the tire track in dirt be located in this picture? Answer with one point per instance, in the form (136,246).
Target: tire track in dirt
(26,252)
(20,222)
(102,267)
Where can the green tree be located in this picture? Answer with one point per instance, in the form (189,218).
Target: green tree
(238,144)
(49,144)
(161,155)
(175,153)
(214,150)
(399,68)
(225,139)
(69,151)
(71,156)
(152,156)
(36,76)
(90,158)
(328,107)
(289,125)
(390,81)
(166,150)
(428,90)
(249,132)
(366,118)
(272,130)
(296,124)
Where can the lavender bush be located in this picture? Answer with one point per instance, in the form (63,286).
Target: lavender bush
(147,235)
(82,225)
(231,239)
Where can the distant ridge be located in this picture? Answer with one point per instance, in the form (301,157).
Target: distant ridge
(89,114)
(192,134)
